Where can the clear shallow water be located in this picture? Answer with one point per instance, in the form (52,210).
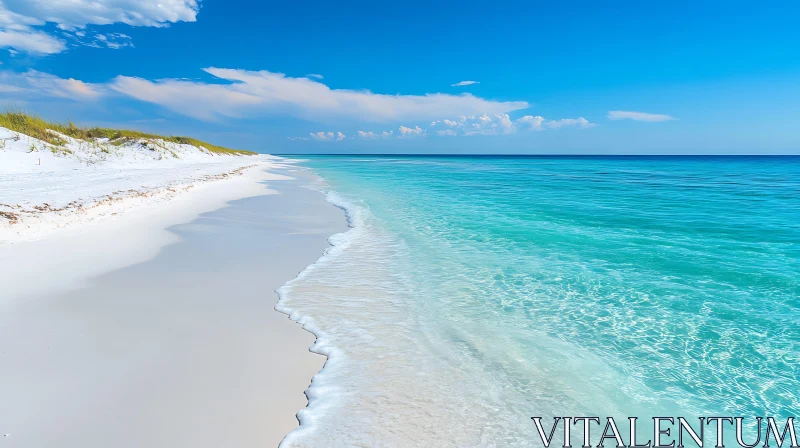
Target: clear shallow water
(474,293)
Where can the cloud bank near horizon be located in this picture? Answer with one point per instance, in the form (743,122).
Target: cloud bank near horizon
(498,124)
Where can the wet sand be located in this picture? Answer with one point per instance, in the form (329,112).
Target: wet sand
(182,350)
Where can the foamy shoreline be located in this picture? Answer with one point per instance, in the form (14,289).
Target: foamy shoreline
(319,393)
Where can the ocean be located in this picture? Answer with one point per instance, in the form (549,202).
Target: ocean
(472,293)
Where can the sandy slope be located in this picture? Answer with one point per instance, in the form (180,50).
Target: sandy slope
(43,189)
(155,327)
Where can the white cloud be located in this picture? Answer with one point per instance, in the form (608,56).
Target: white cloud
(30,41)
(412,132)
(369,135)
(241,98)
(637,116)
(538,123)
(486,125)
(530,122)
(322,135)
(42,85)
(299,97)
(502,124)
(19,19)
(202,101)
(464,83)
(505,124)
(496,124)
(74,14)
(577,122)
(328,136)
(481,125)
(5,88)
(266,92)
(314,75)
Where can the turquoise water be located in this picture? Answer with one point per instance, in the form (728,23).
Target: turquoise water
(474,293)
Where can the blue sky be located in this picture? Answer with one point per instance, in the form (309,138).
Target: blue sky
(307,77)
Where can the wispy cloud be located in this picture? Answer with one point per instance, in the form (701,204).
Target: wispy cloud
(252,92)
(21,22)
(198,100)
(35,84)
(113,41)
(638,116)
(30,41)
(464,83)
(314,75)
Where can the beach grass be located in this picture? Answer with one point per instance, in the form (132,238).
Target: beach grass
(34,126)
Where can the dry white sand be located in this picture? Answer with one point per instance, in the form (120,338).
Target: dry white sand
(123,334)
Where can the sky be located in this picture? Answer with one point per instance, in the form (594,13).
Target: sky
(517,77)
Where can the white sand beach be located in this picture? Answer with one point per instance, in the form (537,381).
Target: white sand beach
(150,320)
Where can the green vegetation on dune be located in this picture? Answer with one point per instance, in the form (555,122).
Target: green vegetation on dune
(36,127)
